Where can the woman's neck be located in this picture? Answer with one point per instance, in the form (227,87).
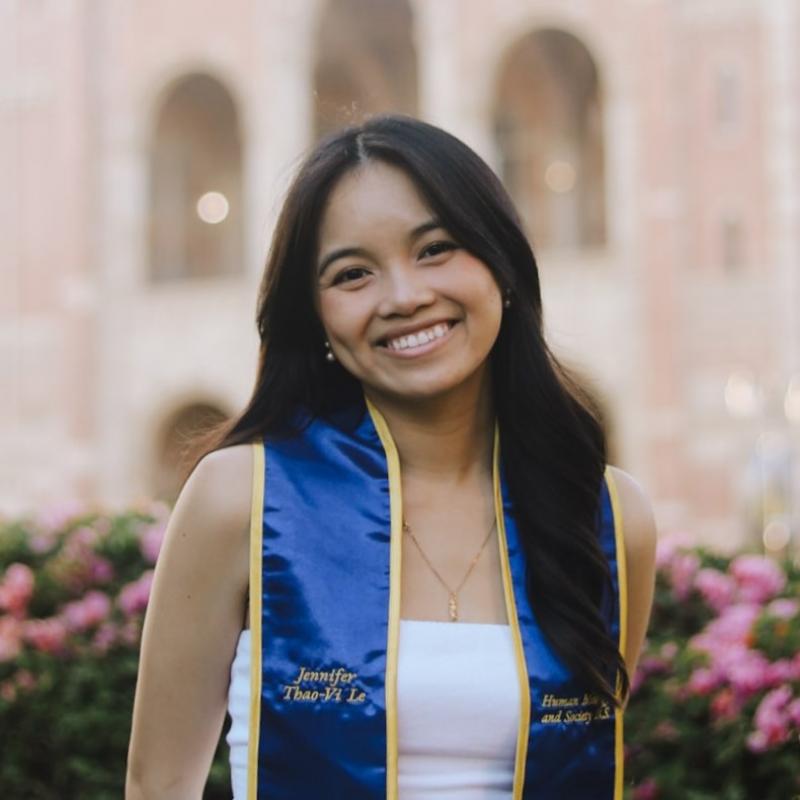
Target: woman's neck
(447,439)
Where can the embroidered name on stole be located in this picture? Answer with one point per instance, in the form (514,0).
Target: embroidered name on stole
(324,715)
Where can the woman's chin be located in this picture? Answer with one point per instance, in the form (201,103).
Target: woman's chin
(429,388)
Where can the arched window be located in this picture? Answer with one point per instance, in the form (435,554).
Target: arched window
(196,214)
(548,125)
(366,62)
(175,446)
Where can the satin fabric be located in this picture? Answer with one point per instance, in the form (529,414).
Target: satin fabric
(325,564)
(571,744)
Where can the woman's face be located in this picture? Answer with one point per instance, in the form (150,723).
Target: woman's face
(406,310)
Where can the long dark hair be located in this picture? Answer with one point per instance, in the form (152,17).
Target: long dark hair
(553,446)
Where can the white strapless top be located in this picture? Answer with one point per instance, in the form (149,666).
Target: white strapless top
(457,708)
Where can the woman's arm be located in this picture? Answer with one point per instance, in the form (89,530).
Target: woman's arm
(191,627)
(639,531)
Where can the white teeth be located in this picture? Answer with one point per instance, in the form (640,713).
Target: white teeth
(419,338)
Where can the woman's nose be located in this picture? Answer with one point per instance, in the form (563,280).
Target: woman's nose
(406,290)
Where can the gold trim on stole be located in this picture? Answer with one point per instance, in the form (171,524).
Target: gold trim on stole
(513,621)
(395,564)
(622,586)
(256,534)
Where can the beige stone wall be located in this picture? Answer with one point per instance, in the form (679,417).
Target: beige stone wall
(94,357)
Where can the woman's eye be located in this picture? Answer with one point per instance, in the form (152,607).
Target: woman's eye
(349,274)
(437,248)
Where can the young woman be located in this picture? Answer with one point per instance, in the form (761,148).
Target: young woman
(448,585)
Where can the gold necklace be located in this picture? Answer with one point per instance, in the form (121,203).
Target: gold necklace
(452,594)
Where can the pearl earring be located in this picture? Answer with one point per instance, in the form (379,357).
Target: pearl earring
(507,299)
(329,356)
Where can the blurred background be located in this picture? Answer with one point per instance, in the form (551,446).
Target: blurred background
(652,147)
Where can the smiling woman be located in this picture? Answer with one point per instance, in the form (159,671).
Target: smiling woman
(407,412)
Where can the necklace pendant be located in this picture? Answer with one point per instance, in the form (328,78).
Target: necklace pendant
(452,607)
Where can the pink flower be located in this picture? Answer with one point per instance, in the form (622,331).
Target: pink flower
(134,596)
(16,589)
(101,570)
(97,605)
(647,790)
(77,566)
(725,705)
(748,672)
(757,742)
(665,550)
(774,700)
(105,636)
(10,638)
(151,539)
(653,665)
(702,681)
(771,719)
(734,625)
(669,650)
(637,681)
(48,635)
(716,588)
(682,571)
(782,671)
(669,546)
(87,612)
(796,662)
(793,712)
(783,608)
(83,538)
(759,577)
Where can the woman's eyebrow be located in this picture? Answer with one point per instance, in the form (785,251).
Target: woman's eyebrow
(344,252)
(426,226)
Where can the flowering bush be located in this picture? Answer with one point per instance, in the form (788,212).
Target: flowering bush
(715,709)
(73,589)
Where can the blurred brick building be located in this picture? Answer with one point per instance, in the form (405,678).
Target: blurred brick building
(653,148)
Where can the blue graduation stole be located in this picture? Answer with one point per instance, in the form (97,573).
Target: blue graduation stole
(325,562)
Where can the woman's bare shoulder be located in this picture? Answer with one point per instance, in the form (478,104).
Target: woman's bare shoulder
(211,519)
(219,488)
(635,510)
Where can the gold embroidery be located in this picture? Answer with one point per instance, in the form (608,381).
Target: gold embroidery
(335,687)
(574,710)
(553,700)
(333,677)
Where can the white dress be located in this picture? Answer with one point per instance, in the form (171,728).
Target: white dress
(457,708)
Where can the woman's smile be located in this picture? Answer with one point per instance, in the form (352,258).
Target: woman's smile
(419,342)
